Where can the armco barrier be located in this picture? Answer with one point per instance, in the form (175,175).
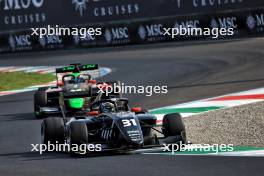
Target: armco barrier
(246,23)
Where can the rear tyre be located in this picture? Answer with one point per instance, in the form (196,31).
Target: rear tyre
(173,126)
(78,135)
(40,99)
(52,130)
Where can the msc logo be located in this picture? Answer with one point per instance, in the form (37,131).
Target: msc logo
(21,4)
(49,40)
(119,33)
(88,38)
(19,41)
(226,22)
(152,30)
(187,24)
(255,21)
(80,5)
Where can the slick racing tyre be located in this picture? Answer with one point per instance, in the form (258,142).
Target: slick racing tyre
(40,99)
(173,126)
(78,134)
(52,130)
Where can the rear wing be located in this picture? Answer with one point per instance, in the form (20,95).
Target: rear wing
(91,69)
(76,68)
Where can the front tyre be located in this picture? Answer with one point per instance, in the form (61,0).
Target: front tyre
(52,130)
(173,128)
(78,135)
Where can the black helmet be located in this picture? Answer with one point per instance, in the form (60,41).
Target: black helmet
(107,107)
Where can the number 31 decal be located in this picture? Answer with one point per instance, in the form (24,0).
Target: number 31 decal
(129,122)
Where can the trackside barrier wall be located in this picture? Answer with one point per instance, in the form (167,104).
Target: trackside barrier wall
(123,22)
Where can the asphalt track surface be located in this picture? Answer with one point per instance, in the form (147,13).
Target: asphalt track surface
(191,71)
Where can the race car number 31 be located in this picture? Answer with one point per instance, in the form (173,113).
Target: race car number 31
(129,122)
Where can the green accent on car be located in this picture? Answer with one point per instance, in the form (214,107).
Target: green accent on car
(86,67)
(185,110)
(89,66)
(76,103)
(69,68)
(76,74)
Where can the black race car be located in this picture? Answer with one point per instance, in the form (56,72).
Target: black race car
(115,126)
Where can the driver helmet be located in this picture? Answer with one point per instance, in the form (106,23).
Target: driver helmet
(107,107)
(70,79)
(80,80)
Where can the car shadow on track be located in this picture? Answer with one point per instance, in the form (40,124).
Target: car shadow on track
(34,156)
(15,100)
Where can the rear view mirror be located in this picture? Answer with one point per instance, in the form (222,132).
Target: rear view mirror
(92,81)
(136,109)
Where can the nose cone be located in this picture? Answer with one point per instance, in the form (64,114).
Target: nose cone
(130,129)
(136,137)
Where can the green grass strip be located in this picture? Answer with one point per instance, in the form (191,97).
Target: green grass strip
(19,80)
(185,110)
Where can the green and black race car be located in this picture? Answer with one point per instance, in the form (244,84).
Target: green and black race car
(75,80)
